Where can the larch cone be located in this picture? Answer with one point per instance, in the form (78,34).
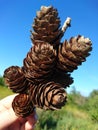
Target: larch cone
(22,105)
(40,62)
(15,79)
(72,53)
(48,95)
(46,26)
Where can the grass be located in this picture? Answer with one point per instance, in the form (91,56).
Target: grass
(68,118)
(75,119)
(4,91)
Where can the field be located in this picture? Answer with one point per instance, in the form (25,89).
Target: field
(66,119)
(75,115)
(4,91)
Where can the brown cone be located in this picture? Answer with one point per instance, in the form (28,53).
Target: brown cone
(40,62)
(46,26)
(22,105)
(15,79)
(48,95)
(73,53)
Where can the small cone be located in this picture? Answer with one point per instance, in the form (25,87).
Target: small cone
(73,53)
(15,79)
(40,62)
(22,105)
(46,26)
(48,95)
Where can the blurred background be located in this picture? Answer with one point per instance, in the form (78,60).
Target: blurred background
(16,19)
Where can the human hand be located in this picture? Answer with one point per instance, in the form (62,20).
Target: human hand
(8,119)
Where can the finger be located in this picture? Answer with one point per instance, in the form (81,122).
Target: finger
(7,118)
(22,120)
(15,126)
(30,123)
(7,101)
(32,119)
(28,126)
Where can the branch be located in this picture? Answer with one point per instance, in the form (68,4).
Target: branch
(66,24)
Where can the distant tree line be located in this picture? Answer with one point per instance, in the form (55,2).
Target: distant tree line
(2,81)
(89,104)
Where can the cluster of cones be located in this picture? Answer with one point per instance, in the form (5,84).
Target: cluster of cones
(45,73)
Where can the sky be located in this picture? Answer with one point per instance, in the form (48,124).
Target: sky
(16,19)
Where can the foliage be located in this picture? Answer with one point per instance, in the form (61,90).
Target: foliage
(68,118)
(80,113)
(75,98)
(2,81)
(4,91)
(92,105)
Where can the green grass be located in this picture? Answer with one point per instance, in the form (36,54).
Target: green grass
(4,91)
(75,119)
(68,118)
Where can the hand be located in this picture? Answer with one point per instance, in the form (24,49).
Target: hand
(8,119)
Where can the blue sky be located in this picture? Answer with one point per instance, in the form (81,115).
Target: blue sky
(16,18)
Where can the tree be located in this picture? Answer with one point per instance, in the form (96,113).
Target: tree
(2,81)
(76,98)
(92,105)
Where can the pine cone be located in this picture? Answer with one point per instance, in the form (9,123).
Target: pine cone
(73,53)
(48,95)
(15,79)
(46,26)
(40,62)
(22,105)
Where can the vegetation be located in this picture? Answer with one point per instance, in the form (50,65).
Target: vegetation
(80,113)
(2,81)
(4,91)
